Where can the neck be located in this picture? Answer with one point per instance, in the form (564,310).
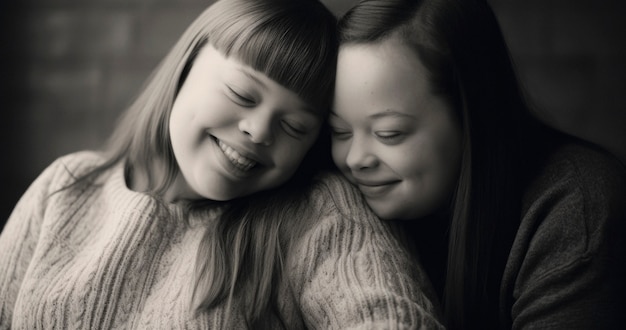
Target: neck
(139,181)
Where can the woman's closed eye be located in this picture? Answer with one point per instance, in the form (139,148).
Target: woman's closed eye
(340,133)
(389,136)
(293,129)
(241,98)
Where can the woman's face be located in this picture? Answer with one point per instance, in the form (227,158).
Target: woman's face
(234,131)
(399,143)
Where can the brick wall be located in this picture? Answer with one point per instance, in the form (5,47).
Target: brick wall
(70,67)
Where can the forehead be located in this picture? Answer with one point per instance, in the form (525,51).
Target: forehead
(375,77)
(211,62)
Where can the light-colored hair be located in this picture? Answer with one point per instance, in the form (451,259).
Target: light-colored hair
(293,42)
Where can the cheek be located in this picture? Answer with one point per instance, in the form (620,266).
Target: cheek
(293,160)
(290,154)
(449,151)
(408,165)
(216,112)
(287,161)
(443,165)
(339,151)
(408,159)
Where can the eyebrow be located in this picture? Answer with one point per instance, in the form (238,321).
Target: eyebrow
(304,106)
(390,113)
(385,113)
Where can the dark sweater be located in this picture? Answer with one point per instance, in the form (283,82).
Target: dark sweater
(566,265)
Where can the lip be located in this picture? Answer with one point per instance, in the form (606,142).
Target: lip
(229,166)
(243,151)
(372,188)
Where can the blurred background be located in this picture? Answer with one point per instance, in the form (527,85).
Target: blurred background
(69,67)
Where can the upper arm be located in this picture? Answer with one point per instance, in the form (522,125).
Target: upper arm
(348,271)
(572,272)
(19,238)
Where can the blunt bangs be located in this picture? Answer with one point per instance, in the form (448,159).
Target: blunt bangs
(284,41)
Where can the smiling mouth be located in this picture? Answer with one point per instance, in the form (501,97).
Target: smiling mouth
(241,162)
(375,189)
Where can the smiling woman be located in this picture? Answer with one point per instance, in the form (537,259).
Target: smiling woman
(220,99)
(518,224)
(383,116)
(203,211)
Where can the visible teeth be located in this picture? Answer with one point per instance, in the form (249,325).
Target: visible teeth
(242,163)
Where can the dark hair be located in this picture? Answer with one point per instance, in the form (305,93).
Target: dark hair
(293,42)
(461,45)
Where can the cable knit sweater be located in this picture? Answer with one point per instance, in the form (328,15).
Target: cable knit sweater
(103,257)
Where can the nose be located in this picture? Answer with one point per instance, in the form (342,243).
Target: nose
(257,127)
(360,156)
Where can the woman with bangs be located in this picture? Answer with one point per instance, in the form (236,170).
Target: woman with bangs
(204,211)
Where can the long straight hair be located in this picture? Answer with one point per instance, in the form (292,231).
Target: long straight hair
(293,42)
(461,45)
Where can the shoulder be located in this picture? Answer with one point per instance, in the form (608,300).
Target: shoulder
(585,162)
(569,244)
(572,208)
(81,162)
(64,170)
(335,201)
(332,192)
(337,212)
(593,177)
(346,261)
(50,187)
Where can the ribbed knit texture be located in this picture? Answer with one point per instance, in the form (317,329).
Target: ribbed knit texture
(101,256)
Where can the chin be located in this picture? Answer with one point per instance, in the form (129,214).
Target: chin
(391,212)
(384,212)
